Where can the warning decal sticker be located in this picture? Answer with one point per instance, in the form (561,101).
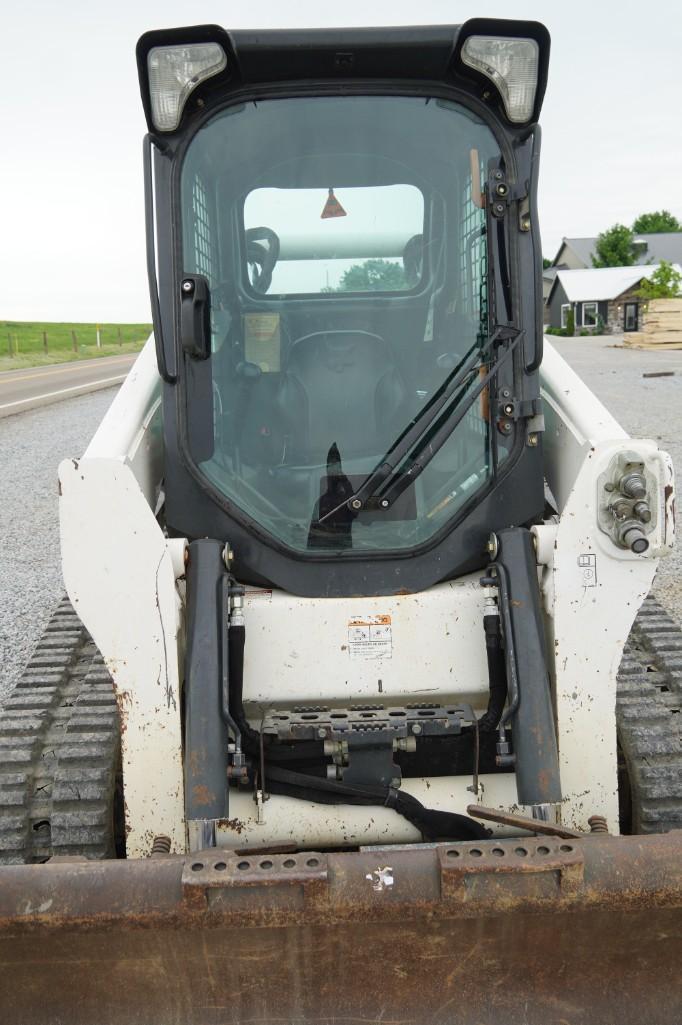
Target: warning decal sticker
(254,595)
(370,637)
(262,340)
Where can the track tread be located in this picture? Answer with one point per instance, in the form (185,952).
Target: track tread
(59,750)
(650,719)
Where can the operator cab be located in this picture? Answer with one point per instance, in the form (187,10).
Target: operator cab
(358,339)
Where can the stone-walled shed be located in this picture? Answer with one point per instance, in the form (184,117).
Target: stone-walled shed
(603,299)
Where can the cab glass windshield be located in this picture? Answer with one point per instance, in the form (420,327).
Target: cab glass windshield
(344,247)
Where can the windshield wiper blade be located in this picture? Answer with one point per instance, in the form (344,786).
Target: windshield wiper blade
(406,441)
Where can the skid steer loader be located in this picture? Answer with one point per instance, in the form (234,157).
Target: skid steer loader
(363,566)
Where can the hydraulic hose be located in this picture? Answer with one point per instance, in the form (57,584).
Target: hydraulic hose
(497,673)
(433,825)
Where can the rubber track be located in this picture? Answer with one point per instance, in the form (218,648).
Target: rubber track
(59,750)
(649,719)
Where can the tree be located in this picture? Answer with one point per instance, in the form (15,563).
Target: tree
(664,283)
(655,223)
(373,276)
(546,263)
(614,248)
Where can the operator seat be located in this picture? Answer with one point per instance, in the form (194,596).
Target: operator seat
(344,388)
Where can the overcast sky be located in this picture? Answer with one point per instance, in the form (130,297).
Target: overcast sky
(71,210)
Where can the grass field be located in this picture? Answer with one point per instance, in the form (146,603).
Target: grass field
(26,344)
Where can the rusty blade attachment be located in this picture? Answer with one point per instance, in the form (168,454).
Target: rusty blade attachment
(505,818)
(558,930)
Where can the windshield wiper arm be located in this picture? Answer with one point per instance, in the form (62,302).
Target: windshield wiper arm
(402,479)
(405,442)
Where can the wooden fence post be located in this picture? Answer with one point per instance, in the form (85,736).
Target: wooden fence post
(45,341)
(74,339)
(119,337)
(9,344)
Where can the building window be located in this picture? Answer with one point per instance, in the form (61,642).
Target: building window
(590,314)
(565,307)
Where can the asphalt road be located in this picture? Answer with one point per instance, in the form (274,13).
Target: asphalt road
(21,390)
(31,447)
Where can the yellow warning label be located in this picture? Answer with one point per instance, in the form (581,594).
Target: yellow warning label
(370,637)
(262,340)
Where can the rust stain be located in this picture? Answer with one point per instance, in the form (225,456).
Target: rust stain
(668,494)
(202,795)
(235,825)
(126,819)
(123,702)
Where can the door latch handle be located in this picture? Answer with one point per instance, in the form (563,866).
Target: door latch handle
(195,316)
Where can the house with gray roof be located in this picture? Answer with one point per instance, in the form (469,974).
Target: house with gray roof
(576,254)
(603,299)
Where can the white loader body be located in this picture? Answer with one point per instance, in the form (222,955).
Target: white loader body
(125,580)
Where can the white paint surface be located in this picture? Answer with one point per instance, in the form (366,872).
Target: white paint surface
(298,650)
(119,574)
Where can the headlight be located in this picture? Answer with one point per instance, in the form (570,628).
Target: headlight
(174,71)
(512,65)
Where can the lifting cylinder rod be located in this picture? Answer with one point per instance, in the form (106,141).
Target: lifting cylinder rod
(533,728)
(206,736)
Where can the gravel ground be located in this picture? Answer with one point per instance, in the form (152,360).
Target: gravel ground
(31,447)
(32,444)
(647,407)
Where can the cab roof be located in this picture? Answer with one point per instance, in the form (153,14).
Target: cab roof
(424,53)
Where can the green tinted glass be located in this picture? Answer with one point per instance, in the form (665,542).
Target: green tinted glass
(345,251)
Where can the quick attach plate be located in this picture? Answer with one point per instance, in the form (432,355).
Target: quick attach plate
(320,723)
(362,739)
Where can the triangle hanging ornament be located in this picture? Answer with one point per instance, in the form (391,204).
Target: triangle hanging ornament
(332,208)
